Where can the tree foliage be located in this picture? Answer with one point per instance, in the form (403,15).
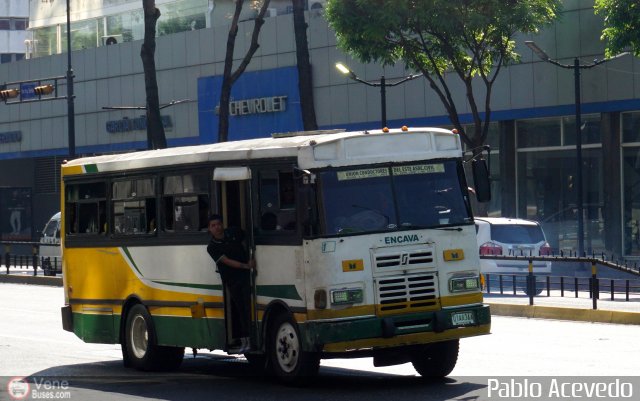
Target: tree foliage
(467,38)
(621,25)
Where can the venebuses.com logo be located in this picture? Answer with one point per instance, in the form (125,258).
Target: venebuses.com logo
(18,388)
(35,388)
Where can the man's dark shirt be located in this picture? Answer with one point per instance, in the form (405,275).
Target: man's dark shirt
(218,248)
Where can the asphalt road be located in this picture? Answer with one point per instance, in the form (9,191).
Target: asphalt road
(32,343)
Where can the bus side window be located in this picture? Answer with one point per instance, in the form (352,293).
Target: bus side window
(85,206)
(185,202)
(277,202)
(134,206)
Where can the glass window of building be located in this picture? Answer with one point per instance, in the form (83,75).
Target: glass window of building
(20,24)
(590,129)
(45,41)
(537,133)
(5,24)
(547,186)
(631,127)
(631,183)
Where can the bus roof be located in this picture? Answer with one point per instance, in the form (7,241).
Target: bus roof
(312,150)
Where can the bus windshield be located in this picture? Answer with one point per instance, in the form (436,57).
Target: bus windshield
(394,197)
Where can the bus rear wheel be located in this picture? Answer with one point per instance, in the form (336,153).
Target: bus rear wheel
(287,360)
(141,345)
(436,360)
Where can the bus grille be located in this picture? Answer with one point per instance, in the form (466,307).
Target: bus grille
(416,258)
(409,293)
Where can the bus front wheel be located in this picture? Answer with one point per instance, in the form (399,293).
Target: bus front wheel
(141,346)
(436,360)
(288,361)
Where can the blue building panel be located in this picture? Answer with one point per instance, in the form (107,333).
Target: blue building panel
(262,102)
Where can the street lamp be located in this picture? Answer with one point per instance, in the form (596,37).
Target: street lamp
(382,84)
(70,105)
(576,66)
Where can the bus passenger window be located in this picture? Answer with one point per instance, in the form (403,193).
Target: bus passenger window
(185,202)
(134,206)
(85,208)
(277,202)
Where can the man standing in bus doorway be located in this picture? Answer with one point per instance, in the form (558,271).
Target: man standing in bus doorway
(235,268)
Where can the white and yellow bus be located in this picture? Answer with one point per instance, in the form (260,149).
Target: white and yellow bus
(364,241)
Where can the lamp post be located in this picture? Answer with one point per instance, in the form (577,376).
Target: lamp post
(576,66)
(70,105)
(382,84)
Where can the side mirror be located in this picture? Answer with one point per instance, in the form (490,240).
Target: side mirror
(481,180)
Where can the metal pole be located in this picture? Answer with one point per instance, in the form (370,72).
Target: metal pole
(383,101)
(70,106)
(579,205)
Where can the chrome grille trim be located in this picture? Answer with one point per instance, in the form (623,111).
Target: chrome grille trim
(415,258)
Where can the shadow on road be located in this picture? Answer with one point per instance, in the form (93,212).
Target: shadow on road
(209,377)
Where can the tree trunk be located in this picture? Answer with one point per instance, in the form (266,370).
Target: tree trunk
(305,80)
(229,78)
(155,131)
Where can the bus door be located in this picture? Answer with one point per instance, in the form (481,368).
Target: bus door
(236,207)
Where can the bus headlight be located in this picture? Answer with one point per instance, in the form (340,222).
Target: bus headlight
(467,283)
(347,296)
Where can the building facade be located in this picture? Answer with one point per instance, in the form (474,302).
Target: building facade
(532,135)
(14,21)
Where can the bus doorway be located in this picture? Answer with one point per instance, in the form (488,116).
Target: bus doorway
(239,292)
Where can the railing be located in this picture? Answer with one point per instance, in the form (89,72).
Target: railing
(533,284)
(49,265)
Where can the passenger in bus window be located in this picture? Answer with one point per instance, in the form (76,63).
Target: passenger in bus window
(234,267)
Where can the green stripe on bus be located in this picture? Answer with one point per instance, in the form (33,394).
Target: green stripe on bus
(284,291)
(126,251)
(190,332)
(281,291)
(96,328)
(192,285)
(90,168)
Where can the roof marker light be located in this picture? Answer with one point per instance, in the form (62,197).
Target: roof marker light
(385,129)
(405,128)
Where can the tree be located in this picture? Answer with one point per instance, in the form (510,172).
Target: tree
(621,25)
(305,82)
(155,131)
(229,77)
(466,38)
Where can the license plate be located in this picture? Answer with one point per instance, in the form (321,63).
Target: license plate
(462,318)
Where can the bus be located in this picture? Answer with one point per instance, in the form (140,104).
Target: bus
(364,241)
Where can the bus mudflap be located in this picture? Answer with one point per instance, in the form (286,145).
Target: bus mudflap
(67,318)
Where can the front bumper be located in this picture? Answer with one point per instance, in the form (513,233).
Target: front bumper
(383,332)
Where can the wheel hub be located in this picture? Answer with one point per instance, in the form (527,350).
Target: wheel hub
(288,347)
(139,337)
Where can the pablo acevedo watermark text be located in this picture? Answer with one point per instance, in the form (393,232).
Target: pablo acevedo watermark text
(567,388)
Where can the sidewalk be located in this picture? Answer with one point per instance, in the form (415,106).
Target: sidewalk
(568,307)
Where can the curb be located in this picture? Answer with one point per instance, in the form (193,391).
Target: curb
(558,313)
(34,280)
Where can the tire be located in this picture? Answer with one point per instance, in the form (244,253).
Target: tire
(437,360)
(287,360)
(141,344)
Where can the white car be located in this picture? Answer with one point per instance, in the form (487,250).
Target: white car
(511,237)
(50,250)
